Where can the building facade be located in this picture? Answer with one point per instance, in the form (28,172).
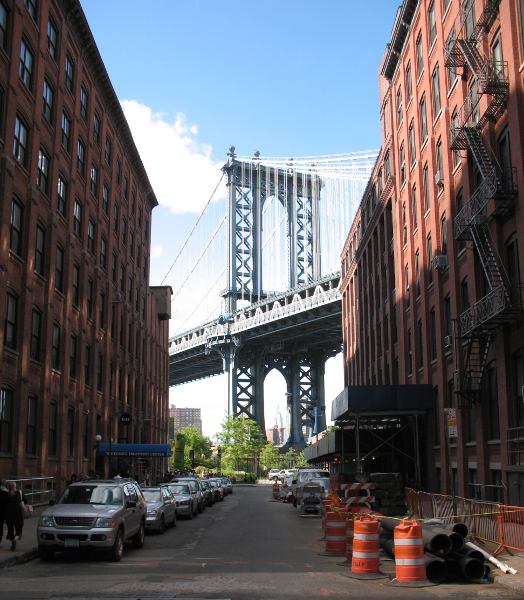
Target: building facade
(185,417)
(432,266)
(83,337)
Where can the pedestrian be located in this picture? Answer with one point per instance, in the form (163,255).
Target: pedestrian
(14,514)
(4,497)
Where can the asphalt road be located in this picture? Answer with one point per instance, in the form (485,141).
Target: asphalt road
(245,548)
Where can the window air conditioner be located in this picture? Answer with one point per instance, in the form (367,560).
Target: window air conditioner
(439,178)
(447,342)
(440,261)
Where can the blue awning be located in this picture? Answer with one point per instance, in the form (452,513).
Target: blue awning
(133,449)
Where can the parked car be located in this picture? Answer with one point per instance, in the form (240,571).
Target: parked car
(209,496)
(227,485)
(273,474)
(217,489)
(98,514)
(185,504)
(196,491)
(161,508)
(303,476)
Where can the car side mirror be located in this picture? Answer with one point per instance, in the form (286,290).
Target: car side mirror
(131,504)
(52,502)
(293,481)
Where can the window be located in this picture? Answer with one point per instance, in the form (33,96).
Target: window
(81,157)
(132,243)
(71,431)
(16,227)
(102,312)
(423,120)
(490,393)
(96,129)
(11,322)
(48,101)
(115,218)
(105,199)
(25,68)
(432,334)
(73,356)
(107,151)
(410,354)
(414,209)
(91,232)
(3,26)
(76,286)
(446,5)
(420,344)
(448,325)
(20,142)
(417,273)
(430,258)
(455,128)
(30,431)
(468,16)
(87,366)
(59,269)
(452,71)
(52,436)
(6,419)
(419,57)
(435,89)
(124,230)
(66,132)
(443,235)
(122,278)
(100,372)
(118,170)
(402,163)
(504,151)
(69,73)
(406,277)
(103,252)
(512,268)
(114,263)
(40,251)
(94,180)
(90,298)
(35,340)
(42,175)
(61,196)
(439,158)
(432,24)
(126,187)
(55,347)
(412,148)
(409,84)
(404,226)
(52,39)
(399,107)
(130,289)
(31,8)
(77,219)
(425,176)
(464,294)
(84,99)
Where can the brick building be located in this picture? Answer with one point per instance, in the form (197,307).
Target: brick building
(186,417)
(431,270)
(83,337)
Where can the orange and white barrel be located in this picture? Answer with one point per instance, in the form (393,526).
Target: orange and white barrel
(366,553)
(336,533)
(410,564)
(350,525)
(275,491)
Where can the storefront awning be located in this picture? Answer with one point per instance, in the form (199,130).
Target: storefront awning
(103,449)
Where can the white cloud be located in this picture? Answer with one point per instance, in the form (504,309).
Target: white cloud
(180,168)
(156,251)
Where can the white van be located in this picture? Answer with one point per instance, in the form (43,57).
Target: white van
(302,477)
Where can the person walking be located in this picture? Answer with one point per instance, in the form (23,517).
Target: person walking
(4,497)
(14,514)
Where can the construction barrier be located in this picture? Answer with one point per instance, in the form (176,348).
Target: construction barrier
(335,533)
(486,521)
(365,555)
(350,528)
(276,490)
(410,564)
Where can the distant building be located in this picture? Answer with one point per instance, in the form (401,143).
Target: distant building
(185,417)
(276,434)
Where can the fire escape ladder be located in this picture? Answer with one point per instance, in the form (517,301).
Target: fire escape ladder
(475,358)
(473,137)
(490,264)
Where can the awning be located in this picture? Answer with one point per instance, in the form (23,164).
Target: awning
(133,449)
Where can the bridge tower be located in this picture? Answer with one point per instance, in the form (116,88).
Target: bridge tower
(250,185)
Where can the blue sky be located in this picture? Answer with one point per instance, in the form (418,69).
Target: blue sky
(286,77)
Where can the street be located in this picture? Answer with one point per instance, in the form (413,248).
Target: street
(246,547)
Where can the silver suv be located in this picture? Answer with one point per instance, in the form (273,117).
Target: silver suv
(100,514)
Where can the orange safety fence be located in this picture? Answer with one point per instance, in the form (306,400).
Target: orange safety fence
(486,521)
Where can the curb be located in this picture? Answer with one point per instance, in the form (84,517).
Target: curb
(511,582)
(20,559)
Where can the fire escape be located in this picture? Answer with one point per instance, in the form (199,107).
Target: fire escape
(494,196)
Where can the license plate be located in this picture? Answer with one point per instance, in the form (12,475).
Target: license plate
(71,543)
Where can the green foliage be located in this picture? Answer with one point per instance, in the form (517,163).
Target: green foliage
(270,457)
(200,446)
(241,441)
(294,458)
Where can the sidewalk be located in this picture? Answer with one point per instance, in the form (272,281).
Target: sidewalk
(513,582)
(26,548)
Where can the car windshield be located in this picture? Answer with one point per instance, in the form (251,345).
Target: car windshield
(179,489)
(205,485)
(152,495)
(92,494)
(314,475)
(213,484)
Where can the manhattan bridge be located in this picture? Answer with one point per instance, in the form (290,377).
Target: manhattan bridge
(255,283)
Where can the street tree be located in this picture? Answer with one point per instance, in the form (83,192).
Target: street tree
(270,457)
(241,440)
(197,448)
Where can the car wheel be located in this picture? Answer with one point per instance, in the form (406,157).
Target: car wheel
(45,554)
(162,527)
(138,538)
(117,551)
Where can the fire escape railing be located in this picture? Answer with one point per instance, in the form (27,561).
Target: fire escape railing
(490,80)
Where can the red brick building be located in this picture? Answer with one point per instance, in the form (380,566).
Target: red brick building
(432,266)
(83,337)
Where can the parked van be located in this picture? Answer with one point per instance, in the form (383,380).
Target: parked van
(303,476)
